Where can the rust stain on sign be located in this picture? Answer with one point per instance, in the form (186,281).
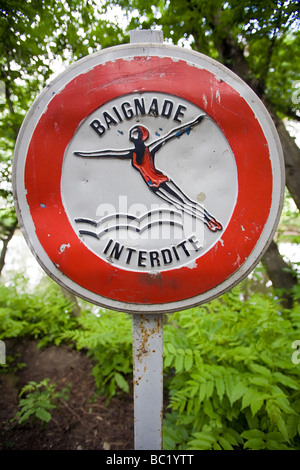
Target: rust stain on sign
(145,334)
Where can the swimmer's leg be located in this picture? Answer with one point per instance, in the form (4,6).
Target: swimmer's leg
(174,195)
(174,201)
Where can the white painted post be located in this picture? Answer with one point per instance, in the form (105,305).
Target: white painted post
(148,381)
(148,345)
(146,36)
(147,348)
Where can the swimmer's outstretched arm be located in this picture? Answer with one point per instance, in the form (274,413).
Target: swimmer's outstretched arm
(105,154)
(175,133)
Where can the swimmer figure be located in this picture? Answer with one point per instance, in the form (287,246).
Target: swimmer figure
(142,159)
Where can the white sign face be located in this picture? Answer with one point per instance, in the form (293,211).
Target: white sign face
(157,218)
(148,179)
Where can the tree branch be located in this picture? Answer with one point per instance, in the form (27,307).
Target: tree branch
(5,245)
(230,51)
(280,273)
(6,80)
(76,312)
(291,153)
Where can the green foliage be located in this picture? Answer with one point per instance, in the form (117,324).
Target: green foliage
(289,225)
(44,314)
(267,33)
(38,38)
(228,369)
(40,399)
(108,341)
(231,380)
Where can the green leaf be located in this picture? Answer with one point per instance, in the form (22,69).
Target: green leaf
(230,438)
(285,380)
(205,436)
(24,415)
(217,446)
(238,391)
(193,388)
(249,396)
(284,405)
(199,444)
(275,436)
(171,348)
(253,434)
(283,428)
(208,409)
(262,370)
(168,443)
(259,381)
(276,418)
(168,359)
(255,444)
(256,404)
(229,386)
(202,392)
(171,436)
(179,363)
(121,382)
(43,414)
(274,445)
(209,388)
(188,360)
(236,435)
(220,387)
(224,443)
(202,441)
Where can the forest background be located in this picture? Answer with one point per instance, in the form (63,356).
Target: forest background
(231,367)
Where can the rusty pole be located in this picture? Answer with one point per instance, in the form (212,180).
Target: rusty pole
(147,348)
(148,381)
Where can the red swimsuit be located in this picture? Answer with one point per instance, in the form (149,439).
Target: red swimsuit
(151,175)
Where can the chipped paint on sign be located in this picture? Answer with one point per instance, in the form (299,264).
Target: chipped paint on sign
(63,247)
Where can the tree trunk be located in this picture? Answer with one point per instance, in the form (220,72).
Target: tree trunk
(5,246)
(291,154)
(282,276)
(279,272)
(76,312)
(232,55)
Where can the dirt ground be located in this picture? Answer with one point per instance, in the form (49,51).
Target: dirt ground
(81,423)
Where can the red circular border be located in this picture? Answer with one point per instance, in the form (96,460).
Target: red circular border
(56,127)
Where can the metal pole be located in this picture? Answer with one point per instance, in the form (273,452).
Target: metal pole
(148,381)
(147,348)
(146,36)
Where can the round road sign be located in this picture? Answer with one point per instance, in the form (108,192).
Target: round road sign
(148,178)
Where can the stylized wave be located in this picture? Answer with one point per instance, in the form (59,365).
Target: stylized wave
(129,222)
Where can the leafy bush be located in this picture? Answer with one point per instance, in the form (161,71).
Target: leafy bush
(107,337)
(231,380)
(228,369)
(40,399)
(44,314)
